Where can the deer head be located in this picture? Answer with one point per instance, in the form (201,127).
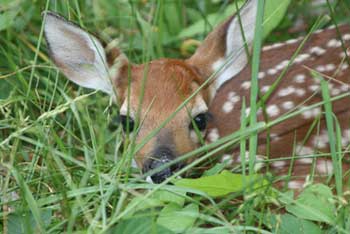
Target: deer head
(162,84)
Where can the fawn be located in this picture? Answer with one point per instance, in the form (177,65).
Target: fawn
(168,82)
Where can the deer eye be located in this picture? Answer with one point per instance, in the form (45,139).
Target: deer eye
(200,121)
(127,123)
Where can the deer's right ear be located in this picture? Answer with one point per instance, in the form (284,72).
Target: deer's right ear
(224,48)
(79,55)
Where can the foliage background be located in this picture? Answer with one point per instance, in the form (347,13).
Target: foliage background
(58,158)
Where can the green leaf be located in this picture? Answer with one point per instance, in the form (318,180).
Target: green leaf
(205,25)
(7,18)
(178,219)
(289,224)
(24,222)
(314,203)
(215,230)
(215,169)
(140,203)
(139,225)
(5,89)
(221,184)
(169,197)
(274,13)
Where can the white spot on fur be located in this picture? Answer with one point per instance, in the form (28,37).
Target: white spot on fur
(286,91)
(345,138)
(300,92)
(261,75)
(300,78)
(247,111)
(346,37)
(273,46)
(330,67)
(301,58)
(265,88)
(317,51)
(273,110)
(295,184)
(213,134)
(282,65)
(292,41)
(334,43)
(310,113)
(274,137)
(227,107)
(233,97)
(321,140)
(246,85)
(344,66)
(314,88)
(303,150)
(279,164)
(227,159)
(321,68)
(335,91)
(287,105)
(305,160)
(272,71)
(324,167)
(344,87)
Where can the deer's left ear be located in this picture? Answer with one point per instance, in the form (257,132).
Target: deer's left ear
(226,45)
(79,55)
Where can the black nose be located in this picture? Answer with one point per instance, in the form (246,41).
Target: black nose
(161,157)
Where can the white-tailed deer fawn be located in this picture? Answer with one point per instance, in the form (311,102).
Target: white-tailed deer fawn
(156,89)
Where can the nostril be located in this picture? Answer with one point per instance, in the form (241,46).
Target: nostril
(161,157)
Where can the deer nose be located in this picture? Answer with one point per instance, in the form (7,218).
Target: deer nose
(161,157)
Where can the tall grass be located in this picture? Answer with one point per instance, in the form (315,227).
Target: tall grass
(64,171)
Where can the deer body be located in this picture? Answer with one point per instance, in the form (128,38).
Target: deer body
(156,89)
(322,53)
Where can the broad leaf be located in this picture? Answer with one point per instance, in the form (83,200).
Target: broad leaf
(24,222)
(273,14)
(314,203)
(178,219)
(222,184)
(289,224)
(139,225)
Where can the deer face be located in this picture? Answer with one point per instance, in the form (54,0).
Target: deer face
(158,88)
(174,81)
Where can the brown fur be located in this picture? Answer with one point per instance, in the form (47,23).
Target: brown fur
(293,130)
(165,85)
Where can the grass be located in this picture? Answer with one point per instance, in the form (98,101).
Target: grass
(62,169)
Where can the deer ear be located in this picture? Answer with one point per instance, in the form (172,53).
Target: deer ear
(78,54)
(224,47)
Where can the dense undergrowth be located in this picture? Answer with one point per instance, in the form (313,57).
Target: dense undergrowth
(62,168)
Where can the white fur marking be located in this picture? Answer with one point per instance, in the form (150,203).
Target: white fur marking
(333,43)
(287,105)
(213,135)
(324,167)
(317,51)
(286,91)
(246,85)
(228,107)
(273,110)
(300,78)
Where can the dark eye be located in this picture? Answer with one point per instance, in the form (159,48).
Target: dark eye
(127,123)
(200,121)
